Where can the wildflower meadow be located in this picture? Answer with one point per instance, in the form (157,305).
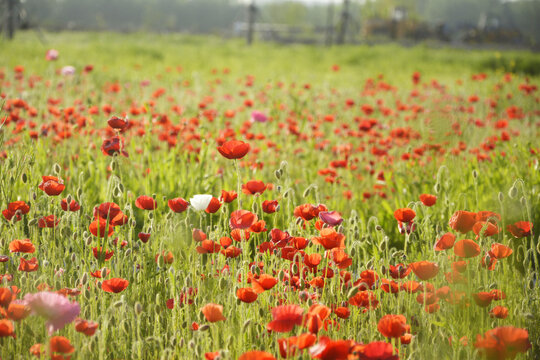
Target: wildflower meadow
(183,197)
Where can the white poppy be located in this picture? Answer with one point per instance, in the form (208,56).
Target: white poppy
(200,202)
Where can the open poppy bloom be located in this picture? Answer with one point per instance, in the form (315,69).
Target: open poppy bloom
(213,312)
(332,218)
(234,149)
(503,342)
(117,123)
(392,326)
(330,239)
(22,246)
(6,328)
(228,196)
(52,185)
(28,265)
(16,209)
(247,295)
(60,344)
(72,206)
(466,248)
(462,221)
(500,251)
(242,219)
(100,228)
(404,215)
(146,202)
(213,206)
(86,327)
(445,242)
(56,308)
(270,206)
(309,211)
(111,212)
(520,229)
(285,318)
(256,355)
(489,229)
(425,270)
(178,205)
(253,187)
(114,285)
(49,221)
(428,199)
(377,350)
(112,146)
(327,349)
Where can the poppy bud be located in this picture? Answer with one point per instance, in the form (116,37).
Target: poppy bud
(281,275)
(512,193)
(138,309)
(73,258)
(523,201)
(501,197)
(475,173)
(113,165)
(56,168)
(32,222)
(86,294)
(79,193)
(125,327)
(278,189)
(204,327)
(246,324)
(34,196)
(306,192)
(277,174)
(24,178)
(378,228)
(222,283)
(437,188)
(118,304)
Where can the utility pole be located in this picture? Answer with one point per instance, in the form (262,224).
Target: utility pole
(344,20)
(251,22)
(11,14)
(329,24)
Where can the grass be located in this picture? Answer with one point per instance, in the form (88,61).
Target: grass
(178,158)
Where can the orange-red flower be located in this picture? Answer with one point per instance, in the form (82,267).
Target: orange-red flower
(285,318)
(270,206)
(60,344)
(253,187)
(404,215)
(28,265)
(445,242)
(234,149)
(500,251)
(213,206)
(49,221)
(503,342)
(490,228)
(263,283)
(520,229)
(256,355)
(309,211)
(146,202)
(22,246)
(499,312)
(72,206)
(428,199)
(228,196)
(466,248)
(213,312)
(247,295)
(178,205)
(52,185)
(110,211)
(392,326)
(17,310)
(330,239)
(425,270)
(117,123)
(86,327)
(114,285)
(462,221)
(327,349)
(6,328)
(16,209)
(100,228)
(242,219)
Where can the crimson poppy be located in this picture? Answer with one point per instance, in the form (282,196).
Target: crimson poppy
(520,229)
(213,206)
(327,349)
(270,206)
(114,285)
(99,228)
(144,237)
(285,318)
(228,196)
(377,350)
(253,187)
(404,215)
(72,206)
(392,326)
(247,295)
(110,211)
(52,185)
(146,202)
(49,221)
(112,146)
(178,205)
(234,149)
(117,123)
(16,209)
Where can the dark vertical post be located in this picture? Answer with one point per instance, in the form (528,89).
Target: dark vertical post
(10,19)
(251,22)
(344,20)
(329,25)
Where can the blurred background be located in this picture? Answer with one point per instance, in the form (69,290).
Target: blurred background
(481,23)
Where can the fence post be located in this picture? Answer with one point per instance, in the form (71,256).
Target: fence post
(251,22)
(344,20)
(329,24)
(10,19)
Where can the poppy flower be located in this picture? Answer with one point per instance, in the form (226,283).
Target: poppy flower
(466,248)
(22,246)
(309,211)
(500,251)
(208,247)
(285,318)
(520,229)
(233,149)
(247,295)
(146,202)
(52,185)
(56,308)
(242,219)
(178,205)
(256,355)
(330,239)
(332,218)
(462,221)
(499,312)
(60,344)
(342,312)
(482,298)
(16,208)
(72,206)
(404,215)
(503,342)
(258,227)
(213,312)
(6,296)
(378,350)
(228,196)
(112,146)
(327,349)
(270,206)
(49,221)
(86,327)
(144,237)
(100,228)
(200,202)
(392,326)
(17,310)
(445,242)
(28,265)
(490,229)
(263,283)
(253,187)
(213,206)
(425,270)
(6,328)
(117,123)
(428,199)
(114,285)
(110,211)
(399,271)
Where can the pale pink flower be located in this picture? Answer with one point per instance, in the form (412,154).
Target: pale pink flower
(51,55)
(56,308)
(331,218)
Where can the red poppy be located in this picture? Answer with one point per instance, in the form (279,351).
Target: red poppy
(234,149)
(114,285)
(445,242)
(342,312)
(392,326)
(247,295)
(378,350)
(253,187)
(309,211)
(114,145)
(60,344)
(285,317)
(144,237)
(263,283)
(462,221)
(99,228)
(49,221)
(503,342)
(117,123)
(104,254)
(399,271)
(73,205)
(270,206)
(22,246)
(483,298)
(86,327)
(330,239)
(52,185)
(490,229)
(198,235)
(178,205)
(112,212)
(404,215)
(499,312)
(208,247)
(28,265)
(258,227)
(6,328)
(520,229)
(466,248)
(500,251)
(327,349)
(213,312)
(256,355)
(428,199)
(213,206)
(17,310)
(16,208)
(242,219)
(425,270)
(228,196)
(146,202)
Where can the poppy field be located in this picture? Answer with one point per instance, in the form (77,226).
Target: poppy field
(175,197)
